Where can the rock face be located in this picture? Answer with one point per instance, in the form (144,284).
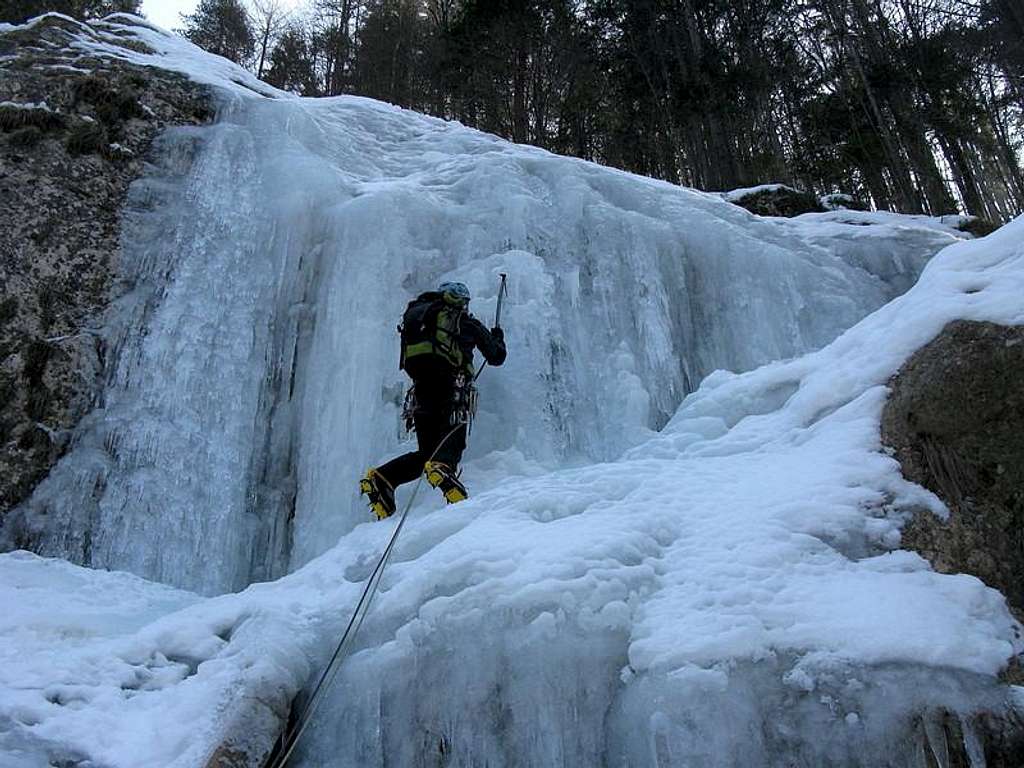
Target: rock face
(74,132)
(955,419)
(779,200)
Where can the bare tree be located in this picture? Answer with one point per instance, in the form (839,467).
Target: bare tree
(269,19)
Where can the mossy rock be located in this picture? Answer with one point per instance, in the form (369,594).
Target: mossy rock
(26,138)
(8,388)
(955,421)
(8,310)
(780,201)
(71,166)
(88,138)
(13,118)
(203,112)
(978,227)
(36,355)
(112,106)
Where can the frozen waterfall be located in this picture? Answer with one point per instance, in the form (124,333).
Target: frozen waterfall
(661,563)
(253,356)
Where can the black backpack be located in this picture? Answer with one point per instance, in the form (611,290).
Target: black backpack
(430,332)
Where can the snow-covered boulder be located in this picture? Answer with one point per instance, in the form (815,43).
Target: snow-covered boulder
(775,200)
(955,421)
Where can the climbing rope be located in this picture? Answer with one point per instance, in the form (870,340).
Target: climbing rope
(290,738)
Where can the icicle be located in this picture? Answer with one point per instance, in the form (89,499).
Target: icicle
(935,736)
(972,744)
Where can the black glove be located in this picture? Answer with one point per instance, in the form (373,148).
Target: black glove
(497,333)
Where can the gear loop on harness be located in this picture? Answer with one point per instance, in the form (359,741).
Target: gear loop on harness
(409,408)
(464,401)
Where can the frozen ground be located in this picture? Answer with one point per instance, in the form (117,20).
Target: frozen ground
(642,577)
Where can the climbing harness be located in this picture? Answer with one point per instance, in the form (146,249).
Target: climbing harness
(463,405)
(464,400)
(409,407)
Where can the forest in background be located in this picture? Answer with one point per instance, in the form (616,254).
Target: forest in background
(915,106)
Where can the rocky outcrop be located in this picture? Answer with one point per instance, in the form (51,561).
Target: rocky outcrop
(776,200)
(955,422)
(75,128)
(253,730)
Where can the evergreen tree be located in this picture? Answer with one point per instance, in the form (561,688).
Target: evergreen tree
(222,27)
(291,67)
(388,60)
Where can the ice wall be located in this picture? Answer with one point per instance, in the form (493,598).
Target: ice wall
(728,592)
(253,366)
(721,592)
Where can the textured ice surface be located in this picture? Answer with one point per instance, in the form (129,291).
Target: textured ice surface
(253,372)
(722,591)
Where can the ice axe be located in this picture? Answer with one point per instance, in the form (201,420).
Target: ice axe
(502,293)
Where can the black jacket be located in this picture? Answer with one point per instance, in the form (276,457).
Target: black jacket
(491,344)
(435,378)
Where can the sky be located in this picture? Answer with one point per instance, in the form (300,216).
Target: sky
(166,13)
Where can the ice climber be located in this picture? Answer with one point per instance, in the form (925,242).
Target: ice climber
(438,338)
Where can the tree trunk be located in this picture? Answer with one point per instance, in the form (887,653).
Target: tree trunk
(963,174)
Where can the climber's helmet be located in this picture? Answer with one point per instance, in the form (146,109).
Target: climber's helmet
(454,293)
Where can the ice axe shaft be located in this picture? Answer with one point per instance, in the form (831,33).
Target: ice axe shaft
(502,291)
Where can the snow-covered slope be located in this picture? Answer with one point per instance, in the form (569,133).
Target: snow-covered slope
(638,579)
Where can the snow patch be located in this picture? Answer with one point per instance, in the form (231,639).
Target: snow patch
(736,195)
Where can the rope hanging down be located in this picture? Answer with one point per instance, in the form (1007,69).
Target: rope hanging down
(289,739)
(279,757)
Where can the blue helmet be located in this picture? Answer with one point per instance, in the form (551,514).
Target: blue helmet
(454,293)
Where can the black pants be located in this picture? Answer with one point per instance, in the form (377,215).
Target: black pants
(433,425)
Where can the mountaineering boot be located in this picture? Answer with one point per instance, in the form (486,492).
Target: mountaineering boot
(380,493)
(440,476)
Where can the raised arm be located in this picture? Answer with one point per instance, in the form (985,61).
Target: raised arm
(490,343)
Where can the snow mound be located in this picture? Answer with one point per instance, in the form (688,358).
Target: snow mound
(736,195)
